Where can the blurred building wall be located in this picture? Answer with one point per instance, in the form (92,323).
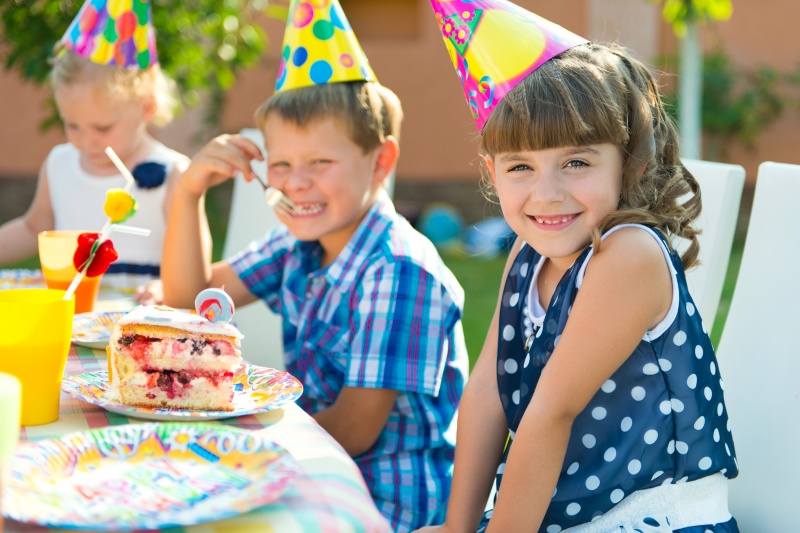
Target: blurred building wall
(439,143)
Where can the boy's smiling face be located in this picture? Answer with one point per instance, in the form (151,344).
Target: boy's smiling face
(330,179)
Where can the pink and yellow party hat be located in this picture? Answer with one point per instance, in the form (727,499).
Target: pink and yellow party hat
(114,32)
(319,47)
(494,44)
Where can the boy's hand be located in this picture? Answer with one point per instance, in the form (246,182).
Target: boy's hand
(219,160)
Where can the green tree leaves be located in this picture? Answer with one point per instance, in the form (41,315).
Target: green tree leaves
(202,44)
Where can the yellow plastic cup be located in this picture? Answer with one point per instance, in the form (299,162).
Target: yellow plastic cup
(56,249)
(35,333)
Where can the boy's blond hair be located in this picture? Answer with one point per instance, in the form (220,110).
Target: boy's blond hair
(368,111)
(125,84)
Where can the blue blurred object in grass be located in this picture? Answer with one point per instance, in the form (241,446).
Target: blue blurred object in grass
(442,224)
(488,238)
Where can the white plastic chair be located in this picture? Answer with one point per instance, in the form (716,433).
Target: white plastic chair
(721,185)
(759,359)
(250,219)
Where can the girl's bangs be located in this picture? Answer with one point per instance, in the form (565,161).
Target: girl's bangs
(551,109)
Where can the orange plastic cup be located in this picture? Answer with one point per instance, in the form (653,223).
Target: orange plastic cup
(35,333)
(56,249)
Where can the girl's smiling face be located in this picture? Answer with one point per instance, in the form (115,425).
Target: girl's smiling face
(553,198)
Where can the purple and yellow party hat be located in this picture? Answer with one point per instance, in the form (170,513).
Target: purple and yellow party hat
(494,44)
(319,47)
(114,32)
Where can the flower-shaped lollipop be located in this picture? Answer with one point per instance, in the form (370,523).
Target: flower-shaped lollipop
(98,255)
(95,252)
(214,305)
(119,206)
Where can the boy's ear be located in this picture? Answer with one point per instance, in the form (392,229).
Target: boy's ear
(386,159)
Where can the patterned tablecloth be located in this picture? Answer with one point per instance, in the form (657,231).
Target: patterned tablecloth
(329,495)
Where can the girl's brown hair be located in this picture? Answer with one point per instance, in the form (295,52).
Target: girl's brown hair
(595,94)
(125,84)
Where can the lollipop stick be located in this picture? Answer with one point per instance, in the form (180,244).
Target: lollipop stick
(108,229)
(112,155)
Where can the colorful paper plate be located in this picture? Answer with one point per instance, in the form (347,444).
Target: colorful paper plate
(94,329)
(145,476)
(256,389)
(21,279)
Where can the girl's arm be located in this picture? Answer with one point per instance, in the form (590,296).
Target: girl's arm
(19,237)
(186,267)
(482,433)
(627,290)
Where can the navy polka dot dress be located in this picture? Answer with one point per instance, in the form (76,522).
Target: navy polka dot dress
(659,419)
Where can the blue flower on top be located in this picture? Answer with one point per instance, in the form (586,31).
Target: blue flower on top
(149,175)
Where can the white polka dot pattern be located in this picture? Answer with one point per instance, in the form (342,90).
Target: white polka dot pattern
(662,408)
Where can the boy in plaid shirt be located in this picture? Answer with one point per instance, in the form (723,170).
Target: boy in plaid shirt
(371,315)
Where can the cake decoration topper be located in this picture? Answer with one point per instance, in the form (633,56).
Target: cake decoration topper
(215,305)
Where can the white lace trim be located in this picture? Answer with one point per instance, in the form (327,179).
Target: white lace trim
(694,503)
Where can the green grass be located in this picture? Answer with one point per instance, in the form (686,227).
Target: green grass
(727,290)
(481,282)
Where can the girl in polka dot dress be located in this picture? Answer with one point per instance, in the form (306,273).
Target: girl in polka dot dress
(597,402)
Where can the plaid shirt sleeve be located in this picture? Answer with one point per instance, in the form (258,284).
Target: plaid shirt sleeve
(260,266)
(402,316)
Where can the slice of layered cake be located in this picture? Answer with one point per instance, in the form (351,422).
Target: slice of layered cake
(162,357)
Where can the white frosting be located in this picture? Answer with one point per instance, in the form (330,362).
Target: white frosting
(160,315)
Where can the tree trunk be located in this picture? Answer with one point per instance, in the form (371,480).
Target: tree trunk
(690,87)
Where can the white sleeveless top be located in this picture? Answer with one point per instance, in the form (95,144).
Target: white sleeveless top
(77,199)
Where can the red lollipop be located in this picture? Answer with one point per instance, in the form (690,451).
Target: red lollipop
(98,256)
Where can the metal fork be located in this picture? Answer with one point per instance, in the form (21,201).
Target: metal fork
(276,199)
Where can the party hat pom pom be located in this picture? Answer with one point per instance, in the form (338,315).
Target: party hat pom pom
(120,205)
(98,256)
(214,305)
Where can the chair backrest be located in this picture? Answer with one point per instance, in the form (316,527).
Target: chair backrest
(721,186)
(250,219)
(759,360)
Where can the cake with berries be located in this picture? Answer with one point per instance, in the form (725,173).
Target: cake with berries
(162,357)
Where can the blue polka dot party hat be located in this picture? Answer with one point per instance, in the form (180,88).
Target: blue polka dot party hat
(114,32)
(319,47)
(480,35)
